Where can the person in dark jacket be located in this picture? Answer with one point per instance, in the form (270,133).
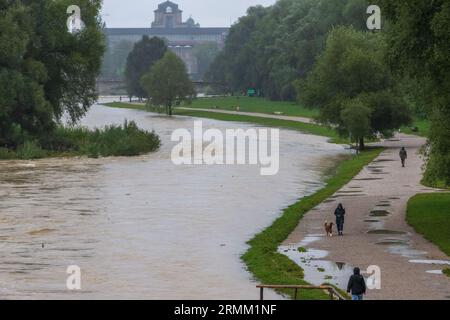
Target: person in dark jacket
(356,285)
(340,213)
(403,155)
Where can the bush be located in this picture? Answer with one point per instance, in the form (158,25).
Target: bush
(114,140)
(126,140)
(31,150)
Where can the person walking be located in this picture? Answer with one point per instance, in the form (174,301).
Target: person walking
(403,155)
(340,213)
(356,285)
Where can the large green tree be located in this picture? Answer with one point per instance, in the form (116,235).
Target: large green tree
(168,82)
(45,71)
(419,47)
(352,71)
(145,53)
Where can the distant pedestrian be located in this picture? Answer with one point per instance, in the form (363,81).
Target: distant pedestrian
(356,285)
(403,155)
(340,213)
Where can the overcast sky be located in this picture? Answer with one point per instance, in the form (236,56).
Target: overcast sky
(209,13)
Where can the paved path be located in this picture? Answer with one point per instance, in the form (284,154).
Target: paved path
(253,114)
(390,191)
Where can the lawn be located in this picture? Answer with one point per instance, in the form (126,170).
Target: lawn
(262,259)
(429,215)
(267,122)
(247,104)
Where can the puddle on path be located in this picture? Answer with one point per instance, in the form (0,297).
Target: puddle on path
(429,261)
(317,270)
(385,231)
(406,251)
(434,271)
(379,213)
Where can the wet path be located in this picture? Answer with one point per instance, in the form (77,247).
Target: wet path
(375,231)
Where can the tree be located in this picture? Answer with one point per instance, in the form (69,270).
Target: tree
(167,82)
(356,117)
(205,54)
(352,71)
(419,48)
(145,53)
(45,71)
(114,60)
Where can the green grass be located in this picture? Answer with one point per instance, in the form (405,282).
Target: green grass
(429,215)
(423,128)
(247,104)
(267,122)
(315,129)
(124,140)
(262,259)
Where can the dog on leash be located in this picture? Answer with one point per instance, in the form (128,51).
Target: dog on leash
(329,228)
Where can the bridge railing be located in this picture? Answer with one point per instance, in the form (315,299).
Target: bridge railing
(332,292)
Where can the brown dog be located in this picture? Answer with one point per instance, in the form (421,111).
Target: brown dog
(329,228)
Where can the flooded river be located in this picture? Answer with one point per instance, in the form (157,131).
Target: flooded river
(143,228)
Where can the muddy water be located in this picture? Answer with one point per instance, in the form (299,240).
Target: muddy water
(142,227)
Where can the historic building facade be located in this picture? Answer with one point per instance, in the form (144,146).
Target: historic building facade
(181,36)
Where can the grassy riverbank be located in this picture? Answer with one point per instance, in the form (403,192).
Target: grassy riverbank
(123,140)
(270,267)
(247,104)
(429,215)
(268,122)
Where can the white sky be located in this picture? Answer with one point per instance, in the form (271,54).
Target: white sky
(209,13)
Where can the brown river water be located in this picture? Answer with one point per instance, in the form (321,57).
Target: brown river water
(142,227)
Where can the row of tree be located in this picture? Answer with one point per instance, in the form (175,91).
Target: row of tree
(271,47)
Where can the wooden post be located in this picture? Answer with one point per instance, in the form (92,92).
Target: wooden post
(261,293)
(295,295)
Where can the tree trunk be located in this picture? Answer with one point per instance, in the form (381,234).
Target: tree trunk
(170,109)
(361,143)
